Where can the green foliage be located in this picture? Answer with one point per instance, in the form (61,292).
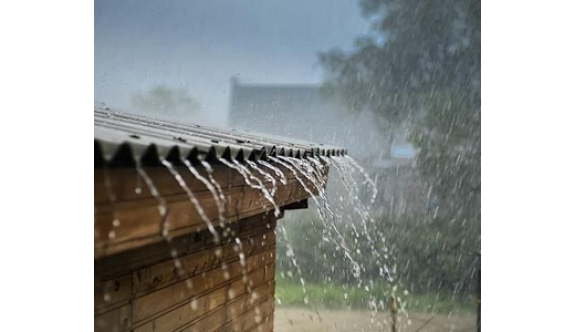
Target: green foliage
(418,251)
(332,296)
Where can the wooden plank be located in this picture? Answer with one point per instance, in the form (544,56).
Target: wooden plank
(266,326)
(270,271)
(191,311)
(207,201)
(251,318)
(257,230)
(265,259)
(245,228)
(138,293)
(178,293)
(187,313)
(124,181)
(142,224)
(113,266)
(113,321)
(257,224)
(210,323)
(139,219)
(237,306)
(166,298)
(160,275)
(112,292)
(240,287)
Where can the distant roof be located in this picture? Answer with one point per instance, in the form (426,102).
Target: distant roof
(303,111)
(285,101)
(237,84)
(278,88)
(122,138)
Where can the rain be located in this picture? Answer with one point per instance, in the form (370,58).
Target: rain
(391,239)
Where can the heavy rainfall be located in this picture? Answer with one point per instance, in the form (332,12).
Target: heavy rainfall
(391,240)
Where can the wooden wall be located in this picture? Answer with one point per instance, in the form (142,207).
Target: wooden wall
(191,284)
(140,222)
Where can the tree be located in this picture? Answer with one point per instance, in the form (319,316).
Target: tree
(162,99)
(427,73)
(428,45)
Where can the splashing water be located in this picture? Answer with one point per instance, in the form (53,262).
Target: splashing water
(192,198)
(259,186)
(163,210)
(210,170)
(162,207)
(217,194)
(368,179)
(353,191)
(348,169)
(291,255)
(303,184)
(242,257)
(265,174)
(304,169)
(293,167)
(311,173)
(138,189)
(319,169)
(246,174)
(211,188)
(346,172)
(276,170)
(112,198)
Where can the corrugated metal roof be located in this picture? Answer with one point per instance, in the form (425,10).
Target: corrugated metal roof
(122,138)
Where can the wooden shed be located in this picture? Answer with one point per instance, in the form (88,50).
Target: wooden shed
(184,235)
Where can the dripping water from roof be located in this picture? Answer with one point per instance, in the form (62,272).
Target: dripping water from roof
(192,198)
(211,188)
(247,175)
(162,207)
(267,175)
(276,170)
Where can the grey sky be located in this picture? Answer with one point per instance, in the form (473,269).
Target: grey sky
(199,45)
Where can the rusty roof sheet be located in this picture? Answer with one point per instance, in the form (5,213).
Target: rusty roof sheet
(122,138)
